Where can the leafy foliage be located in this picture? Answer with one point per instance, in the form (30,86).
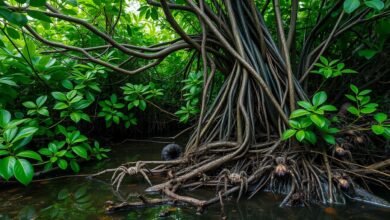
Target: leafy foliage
(309,121)
(192,91)
(331,69)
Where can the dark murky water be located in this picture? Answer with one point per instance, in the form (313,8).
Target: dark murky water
(82,198)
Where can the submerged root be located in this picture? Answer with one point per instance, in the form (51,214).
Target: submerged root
(300,175)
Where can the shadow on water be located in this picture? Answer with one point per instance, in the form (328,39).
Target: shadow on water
(83,198)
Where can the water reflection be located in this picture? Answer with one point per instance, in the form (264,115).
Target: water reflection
(83,198)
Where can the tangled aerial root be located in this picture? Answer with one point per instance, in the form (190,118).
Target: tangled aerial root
(300,179)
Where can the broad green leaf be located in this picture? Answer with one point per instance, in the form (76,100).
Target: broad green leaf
(319,98)
(25,132)
(365,92)
(80,151)
(63,164)
(60,106)
(294,124)
(311,137)
(351,5)
(328,108)
(380,117)
(300,135)
(41,100)
(45,151)
(375,4)
(298,113)
(17,18)
(30,154)
(324,60)
(75,166)
(7,167)
(23,171)
(75,117)
(142,105)
(288,133)
(354,88)
(367,53)
(353,110)
(367,110)
(329,139)
(4,152)
(5,117)
(10,133)
(318,120)
(43,111)
(352,98)
(39,15)
(29,104)
(378,129)
(304,104)
(59,96)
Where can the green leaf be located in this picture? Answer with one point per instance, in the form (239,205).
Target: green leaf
(17,18)
(311,137)
(350,97)
(4,152)
(43,111)
(29,104)
(365,92)
(294,124)
(142,105)
(25,132)
(375,4)
(306,122)
(328,108)
(300,135)
(45,151)
(304,104)
(353,110)
(5,117)
(288,133)
(30,154)
(378,129)
(23,171)
(319,98)
(324,60)
(354,88)
(351,5)
(298,113)
(63,164)
(39,15)
(349,71)
(7,167)
(59,96)
(367,110)
(317,120)
(75,166)
(80,151)
(367,53)
(41,100)
(37,3)
(329,139)
(380,117)
(60,106)
(75,117)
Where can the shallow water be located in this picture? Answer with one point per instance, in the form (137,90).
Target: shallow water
(83,198)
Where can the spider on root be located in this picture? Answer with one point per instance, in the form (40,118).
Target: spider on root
(234,178)
(342,180)
(341,149)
